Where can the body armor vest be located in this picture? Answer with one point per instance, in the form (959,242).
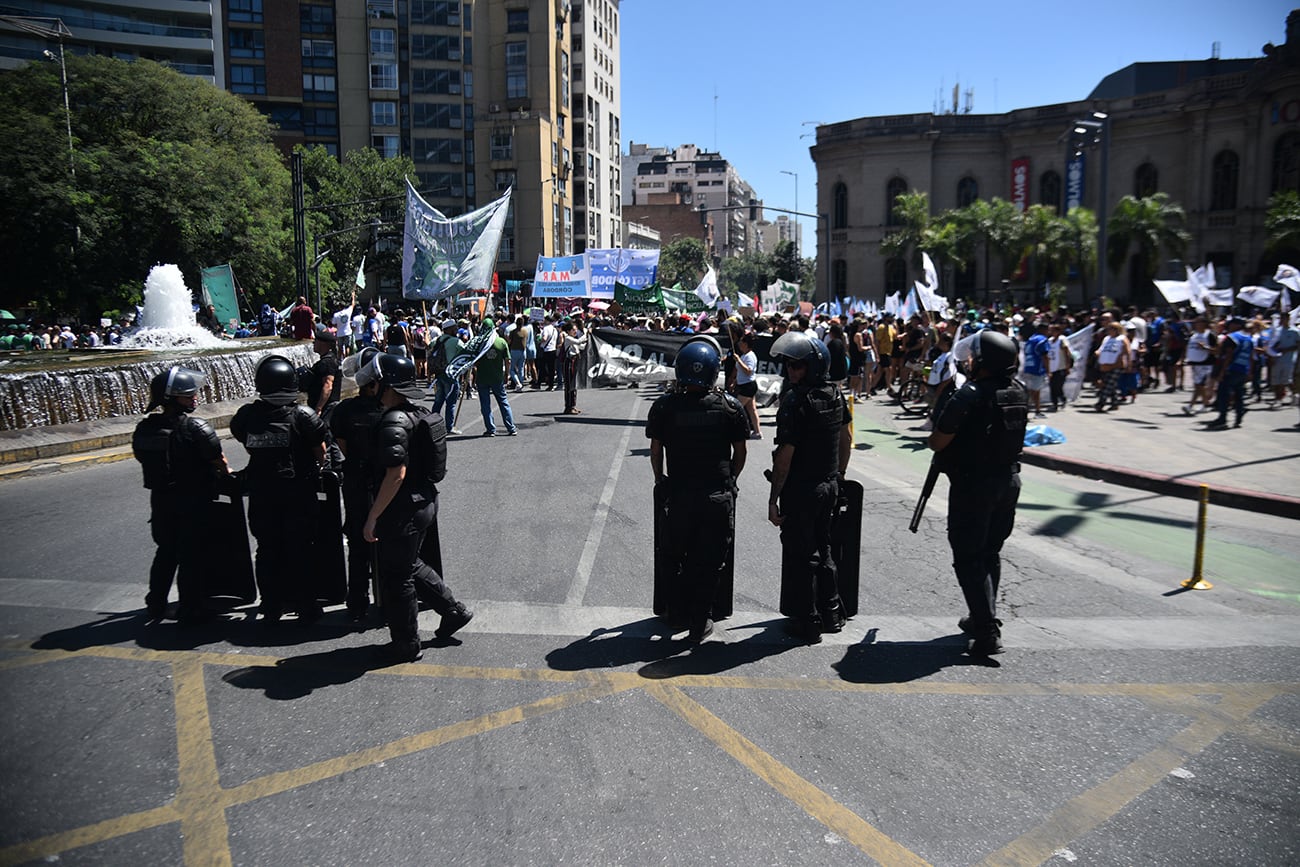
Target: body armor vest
(817,454)
(699,450)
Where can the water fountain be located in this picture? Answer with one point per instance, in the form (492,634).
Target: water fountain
(52,388)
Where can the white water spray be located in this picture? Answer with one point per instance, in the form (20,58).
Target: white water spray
(168,318)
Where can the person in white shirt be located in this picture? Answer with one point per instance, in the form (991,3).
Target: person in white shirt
(343,329)
(1200,358)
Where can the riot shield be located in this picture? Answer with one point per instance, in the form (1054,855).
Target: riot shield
(330,569)
(229,578)
(846,543)
(666,603)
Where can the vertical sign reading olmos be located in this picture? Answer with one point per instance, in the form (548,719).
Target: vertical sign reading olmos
(1074,177)
(1020,183)
(1020,198)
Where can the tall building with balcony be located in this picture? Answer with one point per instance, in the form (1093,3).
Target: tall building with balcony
(184,34)
(597,143)
(701,180)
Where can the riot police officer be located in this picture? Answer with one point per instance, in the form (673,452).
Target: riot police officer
(407,458)
(352,423)
(181,458)
(978,435)
(814,440)
(286,447)
(704,432)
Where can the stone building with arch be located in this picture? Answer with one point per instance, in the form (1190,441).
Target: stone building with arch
(1218,136)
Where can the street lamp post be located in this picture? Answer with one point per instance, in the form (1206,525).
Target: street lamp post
(795,175)
(1091,132)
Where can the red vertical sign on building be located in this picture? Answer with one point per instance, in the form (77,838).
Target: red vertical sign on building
(1020,198)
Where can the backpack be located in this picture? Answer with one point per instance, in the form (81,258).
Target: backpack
(438,356)
(152,444)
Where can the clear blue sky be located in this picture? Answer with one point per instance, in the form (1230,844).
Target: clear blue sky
(773,65)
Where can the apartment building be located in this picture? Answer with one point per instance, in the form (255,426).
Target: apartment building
(597,142)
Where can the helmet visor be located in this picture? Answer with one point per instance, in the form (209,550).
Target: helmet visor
(966,349)
(182,381)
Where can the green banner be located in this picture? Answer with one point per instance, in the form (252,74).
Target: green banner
(684,300)
(219,291)
(639,302)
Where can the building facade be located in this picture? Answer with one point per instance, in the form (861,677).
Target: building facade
(699,180)
(1218,136)
(183,34)
(772,232)
(597,129)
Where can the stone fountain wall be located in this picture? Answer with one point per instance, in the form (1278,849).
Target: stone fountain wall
(91,386)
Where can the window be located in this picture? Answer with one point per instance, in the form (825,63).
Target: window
(503,146)
(516,70)
(1286,163)
(443,13)
(517,21)
(323,83)
(383,76)
(245,10)
(444,81)
(506,253)
(839,206)
(895,275)
(469,84)
(438,150)
(1146,181)
(436,116)
(383,42)
(895,188)
(1049,190)
(247,79)
(320,48)
(840,278)
(247,43)
(428,47)
(386,145)
(503,179)
(968,190)
(316,19)
(1223,181)
(321,121)
(380,9)
(383,114)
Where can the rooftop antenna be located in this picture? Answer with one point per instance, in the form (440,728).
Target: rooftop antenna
(970,100)
(1214,51)
(715,118)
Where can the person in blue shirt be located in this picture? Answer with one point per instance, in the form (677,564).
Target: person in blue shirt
(1236,354)
(1035,372)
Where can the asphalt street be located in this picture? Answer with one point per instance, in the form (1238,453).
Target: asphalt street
(1126,723)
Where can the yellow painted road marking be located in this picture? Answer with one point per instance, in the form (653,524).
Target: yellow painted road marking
(203,823)
(274,784)
(64,841)
(1085,812)
(812,800)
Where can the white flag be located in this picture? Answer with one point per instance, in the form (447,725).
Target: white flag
(361,274)
(931,275)
(708,288)
(1288,277)
(1195,290)
(1219,297)
(743,300)
(1175,291)
(892,304)
(1258,295)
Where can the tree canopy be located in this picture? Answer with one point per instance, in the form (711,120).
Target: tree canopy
(169,169)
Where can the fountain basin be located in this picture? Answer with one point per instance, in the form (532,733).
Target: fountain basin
(52,388)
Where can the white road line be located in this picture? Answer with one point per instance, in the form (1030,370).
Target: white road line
(578,589)
(764,627)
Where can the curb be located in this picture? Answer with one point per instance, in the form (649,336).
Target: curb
(1278,505)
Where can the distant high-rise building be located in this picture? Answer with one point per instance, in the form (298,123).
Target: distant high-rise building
(771,233)
(183,34)
(701,180)
(597,143)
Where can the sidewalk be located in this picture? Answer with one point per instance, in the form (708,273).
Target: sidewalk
(1152,446)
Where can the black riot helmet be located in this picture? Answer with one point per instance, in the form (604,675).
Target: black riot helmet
(697,363)
(276,380)
(990,351)
(174,382)
(391,371)
(803,346)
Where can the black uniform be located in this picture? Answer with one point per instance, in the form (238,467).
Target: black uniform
(810,418)
(411,436)
(353,423)
(327,366)
(282,479)
(988,418)
(697,430)
(177,453)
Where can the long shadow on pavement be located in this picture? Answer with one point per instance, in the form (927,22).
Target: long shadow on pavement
(637,641)
(298,676)
(872,661)
(715,657)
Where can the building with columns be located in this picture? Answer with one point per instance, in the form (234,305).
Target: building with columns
(1218,136)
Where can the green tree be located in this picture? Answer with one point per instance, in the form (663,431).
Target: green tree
(168,169)
(912,212)
(1145,227)
(684,260)
(749,273)
(354,194)
(1080,233)
(1282,222)
(994,227)
(786,263)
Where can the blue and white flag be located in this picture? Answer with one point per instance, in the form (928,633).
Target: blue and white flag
(707,291)
(444,256)
(635,269)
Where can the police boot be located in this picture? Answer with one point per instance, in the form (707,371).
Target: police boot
(456,617)
(833,619)
(987,642)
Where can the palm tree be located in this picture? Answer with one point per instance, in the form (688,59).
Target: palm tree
(994,225)
(1080,234)
(1146,226)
